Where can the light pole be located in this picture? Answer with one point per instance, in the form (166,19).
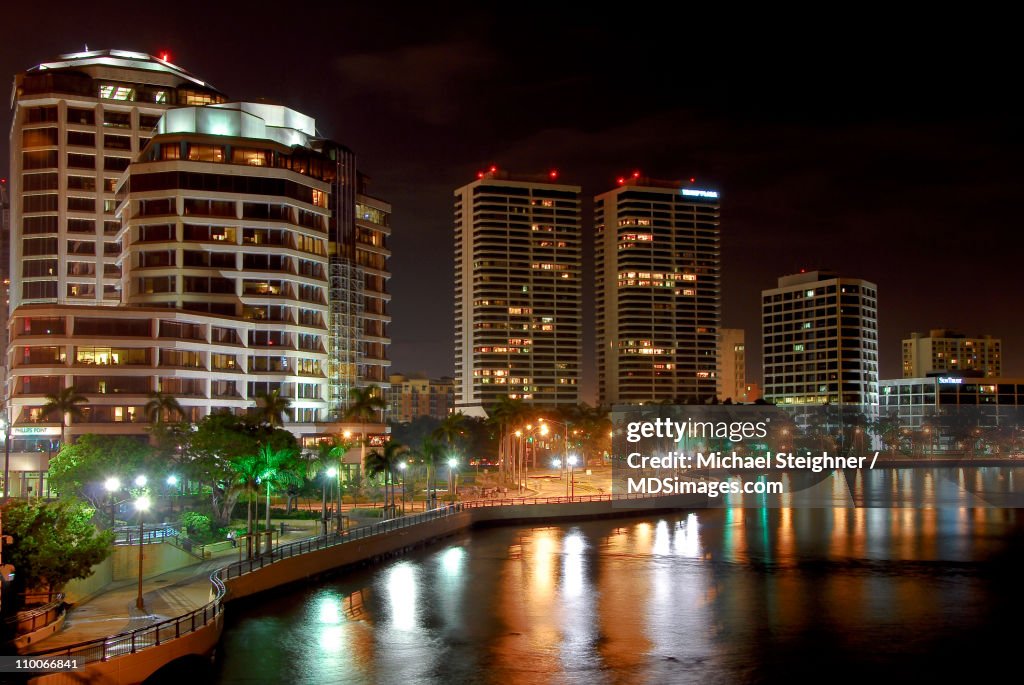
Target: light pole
(557,464)
(112,485)
(571,461)
(141,505)
(565,433)
(329,473)
(452,463)
(172,481)
(401,467)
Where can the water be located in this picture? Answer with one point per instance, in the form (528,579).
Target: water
(711,596)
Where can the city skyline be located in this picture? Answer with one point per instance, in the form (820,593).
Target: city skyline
(858,172)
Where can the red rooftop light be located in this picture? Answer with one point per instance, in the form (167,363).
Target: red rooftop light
(493,168)
(165,56)
(693,180)
(636,174)
(622,180)
(479,174)
(553,173)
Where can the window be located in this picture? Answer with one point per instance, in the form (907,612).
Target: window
(117,119)
(38,115)
(157,233)
(250,157)
(159,284)
(205,153)
(83,138)
(81,225)
(81,247)
(38,246)
(35,290)
(116,163)
(82,183)
(147,122)
(37,268)
(77,115)
(39,224)
(170,151)
(115,91)
(39,159)
(76,161)
(40,203)
(81,290)
(81,204)
(38,137)
(117,142)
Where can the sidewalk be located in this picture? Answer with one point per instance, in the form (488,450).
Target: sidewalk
(165,596)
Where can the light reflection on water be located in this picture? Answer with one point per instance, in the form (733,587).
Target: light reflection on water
(712,596)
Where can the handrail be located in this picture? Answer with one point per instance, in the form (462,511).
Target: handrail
(49,613)
(132,641)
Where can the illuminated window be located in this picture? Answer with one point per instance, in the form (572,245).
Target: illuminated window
(116,92)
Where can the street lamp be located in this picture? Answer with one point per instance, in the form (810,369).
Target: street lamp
(452,463)
(140,481)
(571,461)
(141,505)
(172,481)
(331,472)
(112,485)
(401,467)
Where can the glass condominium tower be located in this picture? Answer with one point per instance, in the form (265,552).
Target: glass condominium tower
(657,272)
(518,291)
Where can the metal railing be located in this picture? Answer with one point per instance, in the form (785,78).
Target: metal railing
(30,620)
(515,501)
(130,642)
(129,535)
(307,545)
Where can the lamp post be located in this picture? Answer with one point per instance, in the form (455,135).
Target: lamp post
(452,463)
(172,481)
(401,467)
(571,461)
(141,505)
(112,485)
(565,433)
(329,473)
(557,464)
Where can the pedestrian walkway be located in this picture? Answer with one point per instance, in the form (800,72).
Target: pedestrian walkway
(166,596)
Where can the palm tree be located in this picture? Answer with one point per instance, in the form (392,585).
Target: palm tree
(329,454)
(272,408)
(430,452)
(451,429)
(67,402)
(279,468)
(246,471)
(364,403)
(160,404)
(386,461)
(505,413)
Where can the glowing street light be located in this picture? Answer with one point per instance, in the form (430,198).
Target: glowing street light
(331,472)
(140,481)
(571,461)
(112,485)
(172,480)
(401,467)
(142,506)
(452,463)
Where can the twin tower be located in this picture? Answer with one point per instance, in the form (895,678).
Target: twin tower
(520,308)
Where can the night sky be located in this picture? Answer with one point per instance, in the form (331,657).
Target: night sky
(886,147)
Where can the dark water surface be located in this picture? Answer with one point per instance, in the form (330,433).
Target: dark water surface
(713,596)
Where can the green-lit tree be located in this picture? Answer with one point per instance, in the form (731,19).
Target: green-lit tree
(430,452)
(52,544)
(272,409)
(281,469)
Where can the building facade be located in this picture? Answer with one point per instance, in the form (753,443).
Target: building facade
(414,395)
(518,291)
(732,364)
(226,251)
(658,290)
(820,341)
(946,351)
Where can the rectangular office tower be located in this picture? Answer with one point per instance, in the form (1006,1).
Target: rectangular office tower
(658,292)
(820,341)
(518,291)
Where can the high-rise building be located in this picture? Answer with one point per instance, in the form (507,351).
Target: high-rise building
(518,291)
(732,365)
(241,254)
(414,395)
(658,292)
(78,122)
(943,351)
(820,340)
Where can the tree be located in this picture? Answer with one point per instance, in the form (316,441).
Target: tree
(81,469)
(385,461)
(67,402)
(246,470)
(505,413)
(452,429)
(364,403)
(272,408)
(281,469)
(430,452)
(161,405)
(53,543)
(219,439)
